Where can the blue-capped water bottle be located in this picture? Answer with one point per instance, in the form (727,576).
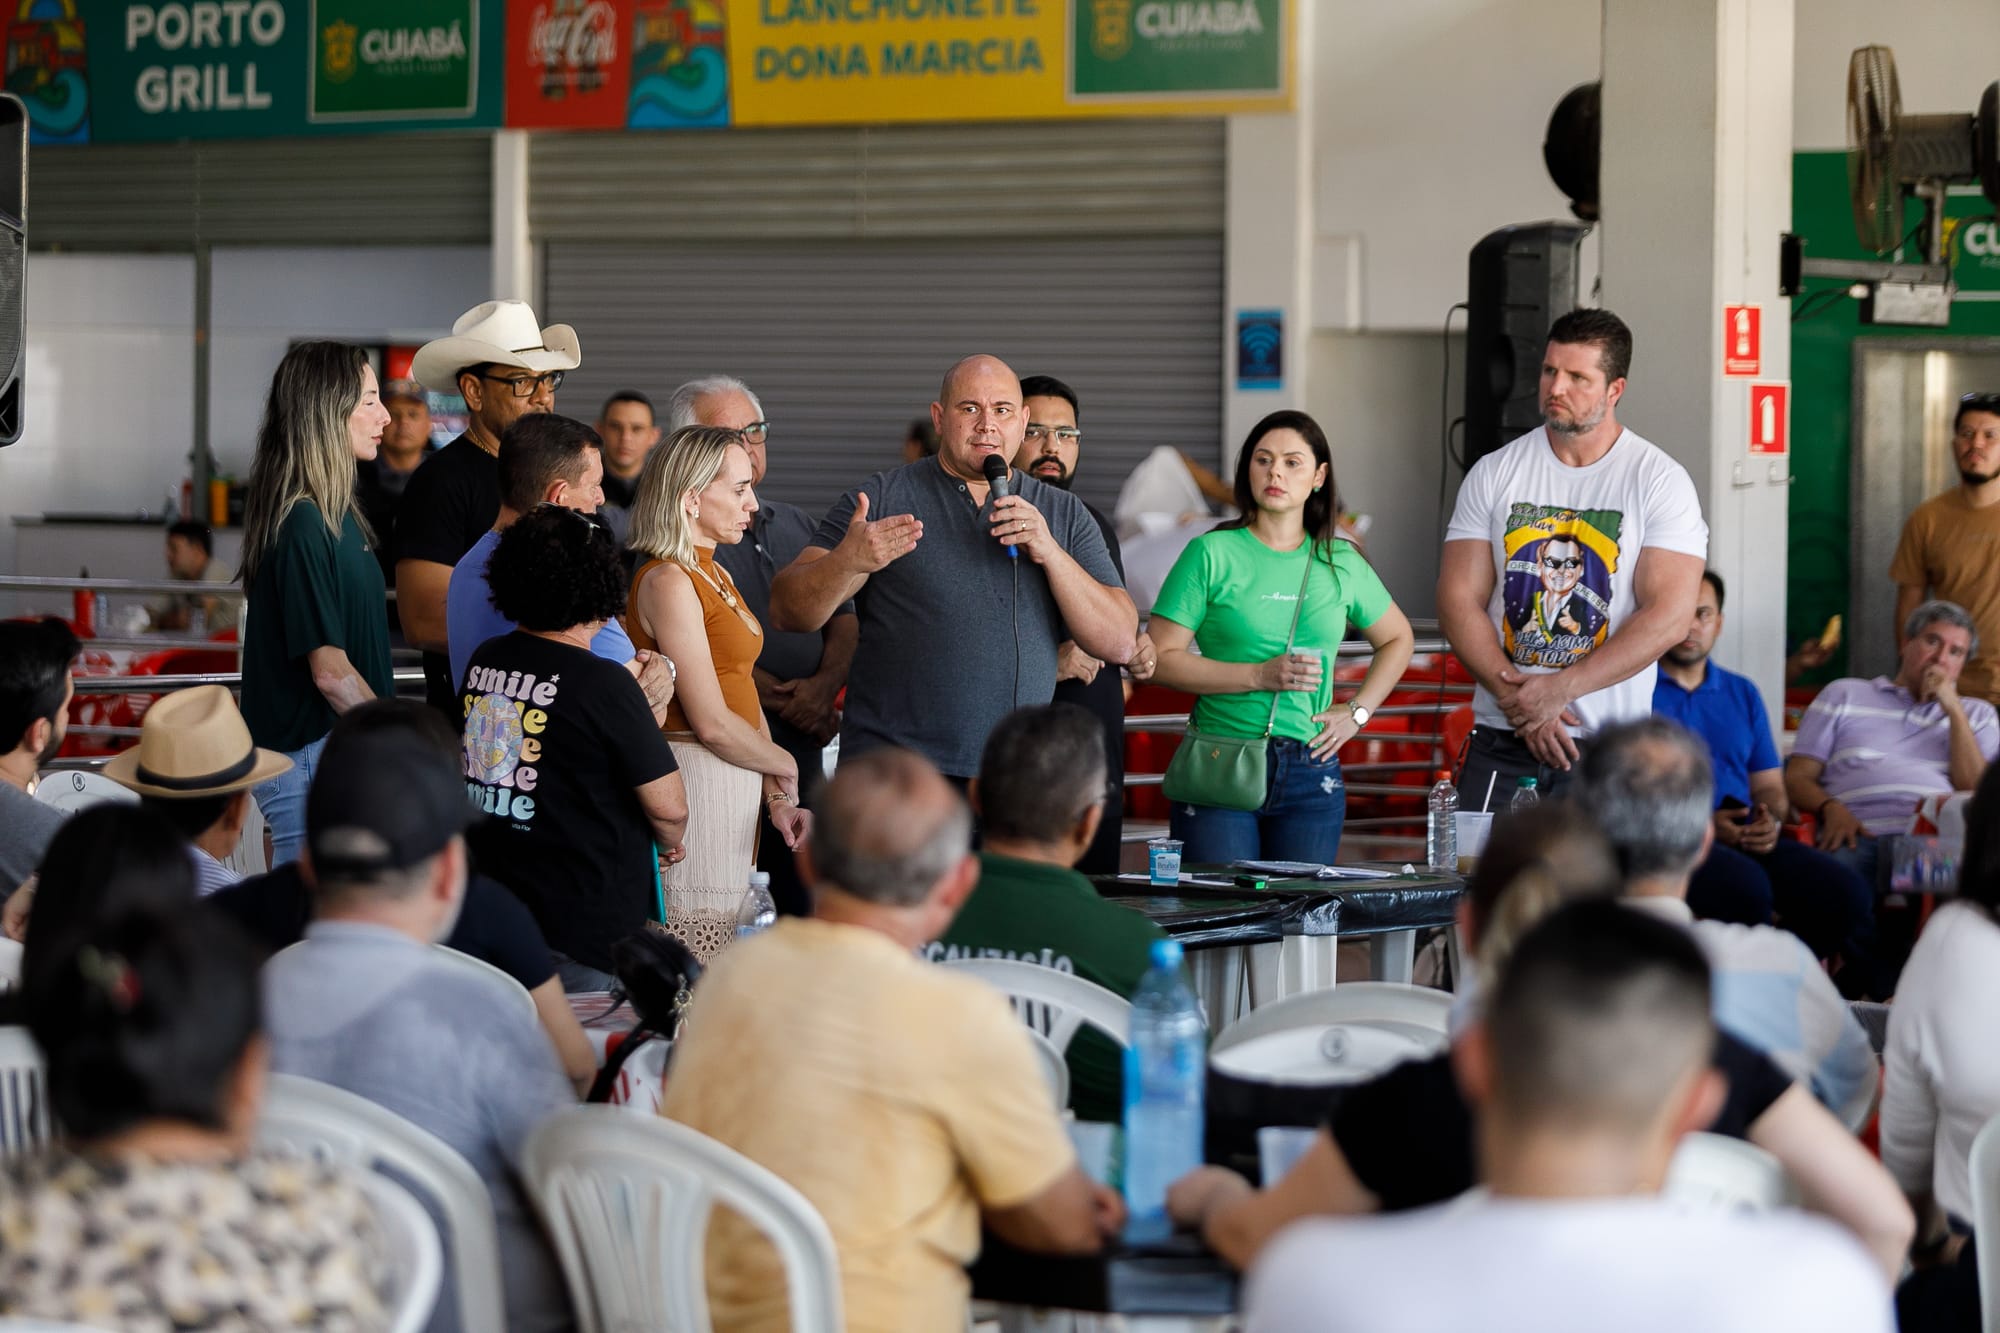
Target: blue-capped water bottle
(1166,1067)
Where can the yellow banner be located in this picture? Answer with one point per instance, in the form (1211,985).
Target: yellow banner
(833,62)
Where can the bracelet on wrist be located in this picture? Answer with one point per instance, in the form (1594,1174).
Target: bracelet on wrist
(777,796)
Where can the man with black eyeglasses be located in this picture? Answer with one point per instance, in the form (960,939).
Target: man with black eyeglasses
(505,365)
(1051,449)
(1951,541)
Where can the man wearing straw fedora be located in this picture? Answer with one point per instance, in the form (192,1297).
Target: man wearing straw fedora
(505,365)
(195,765)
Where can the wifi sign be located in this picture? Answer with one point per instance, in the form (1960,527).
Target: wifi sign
(1260,349)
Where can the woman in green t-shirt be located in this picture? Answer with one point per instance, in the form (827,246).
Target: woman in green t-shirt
(1233,594)
(315,640)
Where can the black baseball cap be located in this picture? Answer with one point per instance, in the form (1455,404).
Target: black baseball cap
(383,801)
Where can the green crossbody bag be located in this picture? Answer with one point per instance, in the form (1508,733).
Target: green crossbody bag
(1228,772)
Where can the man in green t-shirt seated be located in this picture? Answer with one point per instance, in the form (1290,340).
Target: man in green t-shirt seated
(1040,795)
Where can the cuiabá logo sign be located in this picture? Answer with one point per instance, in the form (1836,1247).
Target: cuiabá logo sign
(1136,47)
(388,58)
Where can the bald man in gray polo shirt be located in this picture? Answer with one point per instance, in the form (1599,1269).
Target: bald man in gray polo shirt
(959,633)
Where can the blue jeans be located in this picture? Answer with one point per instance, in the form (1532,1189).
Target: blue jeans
(577,976)
(283,802)
(1817,897)
(1305,804)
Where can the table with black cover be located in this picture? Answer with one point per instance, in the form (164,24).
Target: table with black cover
(1281,938)
(1175,1284)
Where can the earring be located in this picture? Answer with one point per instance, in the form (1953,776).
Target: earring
(1316,490)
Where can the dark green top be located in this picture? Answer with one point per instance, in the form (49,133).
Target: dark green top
(312,590)
(1052,916)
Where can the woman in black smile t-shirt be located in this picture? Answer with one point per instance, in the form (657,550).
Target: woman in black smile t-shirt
(561,749)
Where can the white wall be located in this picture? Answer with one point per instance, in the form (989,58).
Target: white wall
(1945,57)
(263,298)
(110,399)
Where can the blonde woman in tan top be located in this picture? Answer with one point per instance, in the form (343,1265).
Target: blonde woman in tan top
(695,492)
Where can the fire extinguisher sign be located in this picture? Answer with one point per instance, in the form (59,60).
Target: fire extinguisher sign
(1742,340)
(1770,405)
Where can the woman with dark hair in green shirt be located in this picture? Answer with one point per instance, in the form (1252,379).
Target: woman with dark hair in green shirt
(1235,594)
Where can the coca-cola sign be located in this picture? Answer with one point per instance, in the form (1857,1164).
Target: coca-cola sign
(567,63)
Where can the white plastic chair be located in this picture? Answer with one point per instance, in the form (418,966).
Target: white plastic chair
(627,1200)
(1054,1067)
(334,1125)
(1984,1164)
(1068,1000)
(1714,1171)
(416,1258)
(24,1094)
(1344,1034)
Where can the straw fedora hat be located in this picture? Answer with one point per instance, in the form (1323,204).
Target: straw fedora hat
(194,743)
(503,333)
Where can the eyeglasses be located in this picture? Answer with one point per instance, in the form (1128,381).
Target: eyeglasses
(755,432)
(1063,434)
(526,385)
(1562,562)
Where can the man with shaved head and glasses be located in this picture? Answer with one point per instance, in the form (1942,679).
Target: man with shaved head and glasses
(1951,540)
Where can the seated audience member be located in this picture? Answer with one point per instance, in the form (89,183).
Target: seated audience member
(156,1213)
(1943,1081)
(544,459)
(109,861)
(1868,751)
(190,559)
(365,1003)
(902,1100)
(1588,1066)
(1753,870)
(493,927)
(35,690)
(1405,1139)
(1039,795)
(563,751)
(194,765)
(1647,785)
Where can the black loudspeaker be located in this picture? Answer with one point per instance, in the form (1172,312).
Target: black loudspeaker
(13,263)
(1519,280)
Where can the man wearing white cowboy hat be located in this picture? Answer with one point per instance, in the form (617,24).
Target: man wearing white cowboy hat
(195,765)
(505,365)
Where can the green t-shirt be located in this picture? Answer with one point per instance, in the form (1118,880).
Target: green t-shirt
(312,590)
(1236,595)
(1045,914)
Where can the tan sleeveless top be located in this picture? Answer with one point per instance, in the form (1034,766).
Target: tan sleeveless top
(734,640)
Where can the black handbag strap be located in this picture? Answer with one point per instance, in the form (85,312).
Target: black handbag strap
(1291,635)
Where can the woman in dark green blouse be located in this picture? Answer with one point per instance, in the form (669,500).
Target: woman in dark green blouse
(315,641)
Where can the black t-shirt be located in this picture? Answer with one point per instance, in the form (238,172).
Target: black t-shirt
(492,926)
(618,491)
(449,503)
(1408,1135)
(557,740)
(1105,698)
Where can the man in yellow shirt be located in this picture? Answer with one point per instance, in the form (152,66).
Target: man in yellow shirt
(902,1099)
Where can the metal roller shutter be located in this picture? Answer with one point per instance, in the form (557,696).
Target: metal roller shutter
(845,342)
(417,189)
(839,272)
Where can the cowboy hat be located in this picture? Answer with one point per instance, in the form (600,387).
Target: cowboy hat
(194,743)
(501,333)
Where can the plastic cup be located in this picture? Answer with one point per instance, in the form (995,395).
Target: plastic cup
(1473,828)
(1163,862)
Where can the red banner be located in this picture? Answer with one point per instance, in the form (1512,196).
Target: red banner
(569,63)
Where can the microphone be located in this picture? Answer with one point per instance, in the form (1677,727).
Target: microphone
(1002,486)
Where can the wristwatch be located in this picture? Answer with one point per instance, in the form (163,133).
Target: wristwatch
(1361,715)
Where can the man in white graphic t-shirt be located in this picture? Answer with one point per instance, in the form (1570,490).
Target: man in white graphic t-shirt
(1571,565)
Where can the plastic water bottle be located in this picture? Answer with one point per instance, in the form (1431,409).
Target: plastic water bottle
(1441,834)
(1525,795)
(1166,1068)
(758,909)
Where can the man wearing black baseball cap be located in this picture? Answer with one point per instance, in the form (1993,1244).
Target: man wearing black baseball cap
(366,1003)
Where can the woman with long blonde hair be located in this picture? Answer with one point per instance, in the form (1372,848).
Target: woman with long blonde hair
(315,639)
(694,493)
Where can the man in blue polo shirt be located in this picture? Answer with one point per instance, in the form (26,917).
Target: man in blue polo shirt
(1753,869)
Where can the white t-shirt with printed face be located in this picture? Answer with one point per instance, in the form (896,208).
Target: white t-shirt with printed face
(1566,541)
(1636,1265)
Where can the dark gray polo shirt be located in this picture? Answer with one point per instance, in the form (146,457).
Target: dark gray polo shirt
(778,532)
(955,635)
